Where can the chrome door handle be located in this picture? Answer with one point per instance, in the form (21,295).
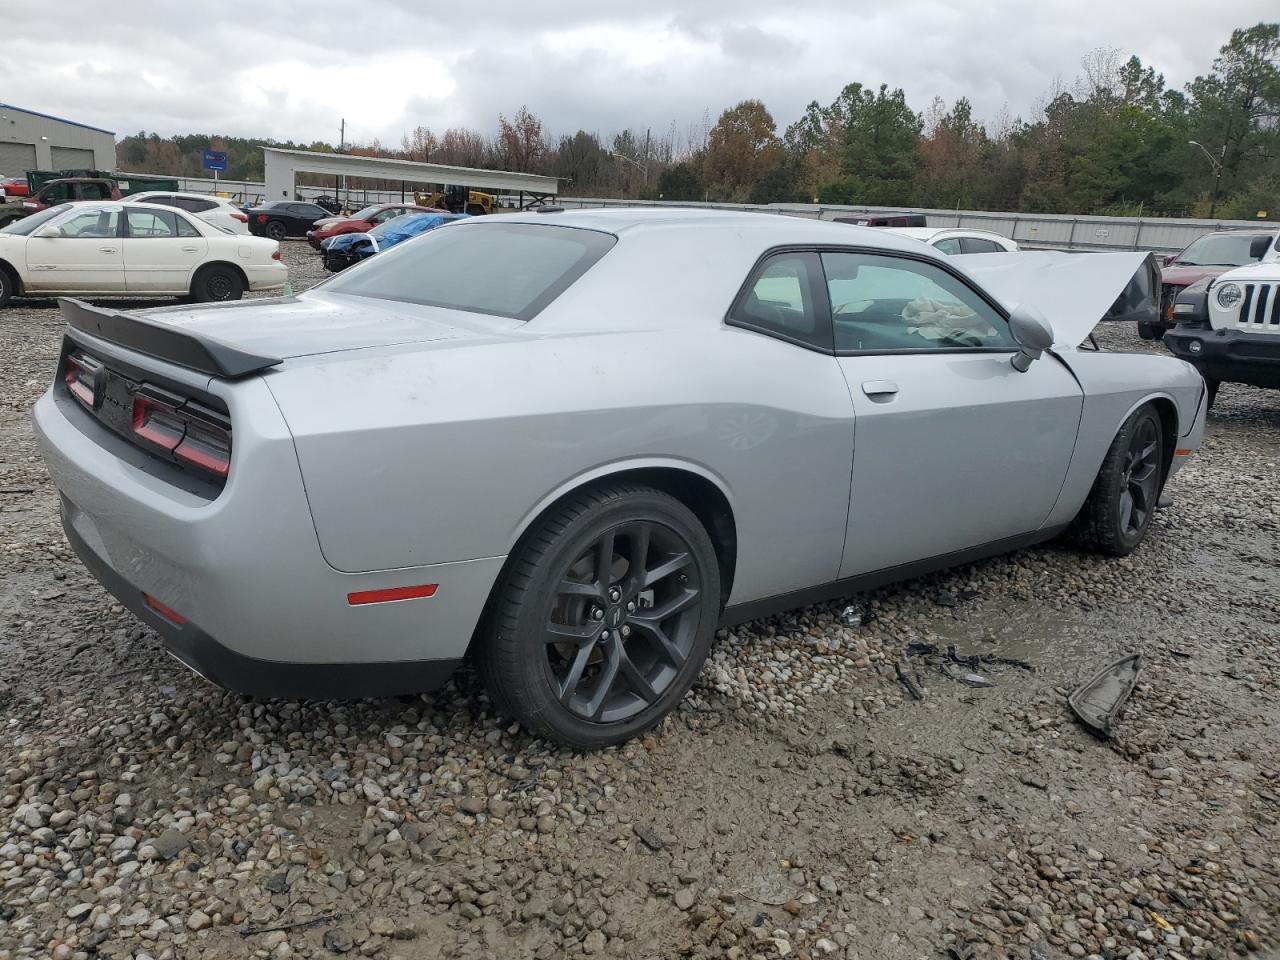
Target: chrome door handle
(107,249)
(879,388)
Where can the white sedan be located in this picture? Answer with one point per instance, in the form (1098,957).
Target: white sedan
(958,240)
(216,210)
(132,249)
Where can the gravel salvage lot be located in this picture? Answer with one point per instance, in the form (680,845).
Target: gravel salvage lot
(799,803)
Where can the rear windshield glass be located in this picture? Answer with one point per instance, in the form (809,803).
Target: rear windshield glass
(505,269)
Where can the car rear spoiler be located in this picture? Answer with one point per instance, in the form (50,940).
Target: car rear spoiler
(183,347)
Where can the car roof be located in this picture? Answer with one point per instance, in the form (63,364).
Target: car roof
(775,228)
(932,233)
(188,194)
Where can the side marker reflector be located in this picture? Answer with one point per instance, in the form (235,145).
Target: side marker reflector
(173,616)
(1182,452)
(393,594)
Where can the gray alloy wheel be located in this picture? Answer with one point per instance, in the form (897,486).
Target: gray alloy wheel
(604,617)
(276,230)
(1115,517)
(217,284)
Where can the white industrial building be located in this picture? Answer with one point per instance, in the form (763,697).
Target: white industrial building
(37,141)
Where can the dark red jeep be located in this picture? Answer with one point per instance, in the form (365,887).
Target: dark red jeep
(1209,256)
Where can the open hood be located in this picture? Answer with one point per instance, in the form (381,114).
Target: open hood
(1073,290)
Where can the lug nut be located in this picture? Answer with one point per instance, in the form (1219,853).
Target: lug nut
(631,606)
(615,594)
(597,613)
(604,635)
(625,631)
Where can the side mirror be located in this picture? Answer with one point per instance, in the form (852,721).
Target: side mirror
(48,233)
(1032,333)
(1168,259)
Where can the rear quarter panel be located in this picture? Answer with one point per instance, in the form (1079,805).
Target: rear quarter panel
(452,451)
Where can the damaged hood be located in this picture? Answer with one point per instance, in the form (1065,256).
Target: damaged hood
(1073,290)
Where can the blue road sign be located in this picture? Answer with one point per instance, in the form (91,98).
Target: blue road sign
(215,160)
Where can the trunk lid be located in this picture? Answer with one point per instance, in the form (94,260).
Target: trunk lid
(314,323)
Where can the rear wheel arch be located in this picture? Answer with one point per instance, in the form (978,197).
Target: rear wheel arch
(702,494)
(204,268)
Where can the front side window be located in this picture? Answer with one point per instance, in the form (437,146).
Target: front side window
(882,303)
(782,298)
(94,191)
(95,224)
(152,224)
(503,269)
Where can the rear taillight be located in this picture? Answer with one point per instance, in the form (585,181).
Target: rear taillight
(276,255)
(242,217)
(192,434)
(262,218)
(81,374)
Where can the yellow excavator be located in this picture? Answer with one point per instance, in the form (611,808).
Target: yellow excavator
(457,200)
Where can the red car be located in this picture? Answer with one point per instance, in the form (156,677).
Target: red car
(1209,256)
(362,221)
(15,186)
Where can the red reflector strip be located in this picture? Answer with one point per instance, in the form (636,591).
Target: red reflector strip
(1182,452)
(173,616)
(395,593)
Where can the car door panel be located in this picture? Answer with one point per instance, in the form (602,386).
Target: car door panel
(156,258)
(952,451)
(953,447)
(88,258)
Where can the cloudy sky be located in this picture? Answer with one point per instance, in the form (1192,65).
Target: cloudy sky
(264,68)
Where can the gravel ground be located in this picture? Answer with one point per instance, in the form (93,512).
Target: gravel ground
(799,803)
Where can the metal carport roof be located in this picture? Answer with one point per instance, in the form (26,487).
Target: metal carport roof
(282,166)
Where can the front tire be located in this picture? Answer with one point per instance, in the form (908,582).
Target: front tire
(217,285)
(1211,389)
(1117,514)
(603,617)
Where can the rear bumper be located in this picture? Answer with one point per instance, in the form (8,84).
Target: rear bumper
(234,671)
(1232,356)
(268,277)
(263,612)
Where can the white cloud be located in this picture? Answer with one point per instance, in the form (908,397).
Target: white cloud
(292,71)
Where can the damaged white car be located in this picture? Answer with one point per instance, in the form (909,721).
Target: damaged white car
(639,426)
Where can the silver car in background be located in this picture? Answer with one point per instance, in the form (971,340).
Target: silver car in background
(569,445)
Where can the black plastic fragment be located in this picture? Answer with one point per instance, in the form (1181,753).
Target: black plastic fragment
(1098,701)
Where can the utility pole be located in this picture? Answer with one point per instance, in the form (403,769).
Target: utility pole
(646,155)
(1217,163)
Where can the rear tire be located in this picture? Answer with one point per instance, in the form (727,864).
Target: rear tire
(275,230)
(1211,388)
(603,617)
(217,284)
(8,286)
(1117,514)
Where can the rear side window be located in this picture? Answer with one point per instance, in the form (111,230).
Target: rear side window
(979,245)
(783,298)
(950,246)
(507,270)
(152,224)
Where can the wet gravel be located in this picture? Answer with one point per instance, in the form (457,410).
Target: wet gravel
(799,803)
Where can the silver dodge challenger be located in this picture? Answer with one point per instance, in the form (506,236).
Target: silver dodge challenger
(569,445)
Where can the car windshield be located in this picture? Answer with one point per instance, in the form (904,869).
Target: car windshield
(27,225)
(366,213)
(1224,250)
(507,270)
